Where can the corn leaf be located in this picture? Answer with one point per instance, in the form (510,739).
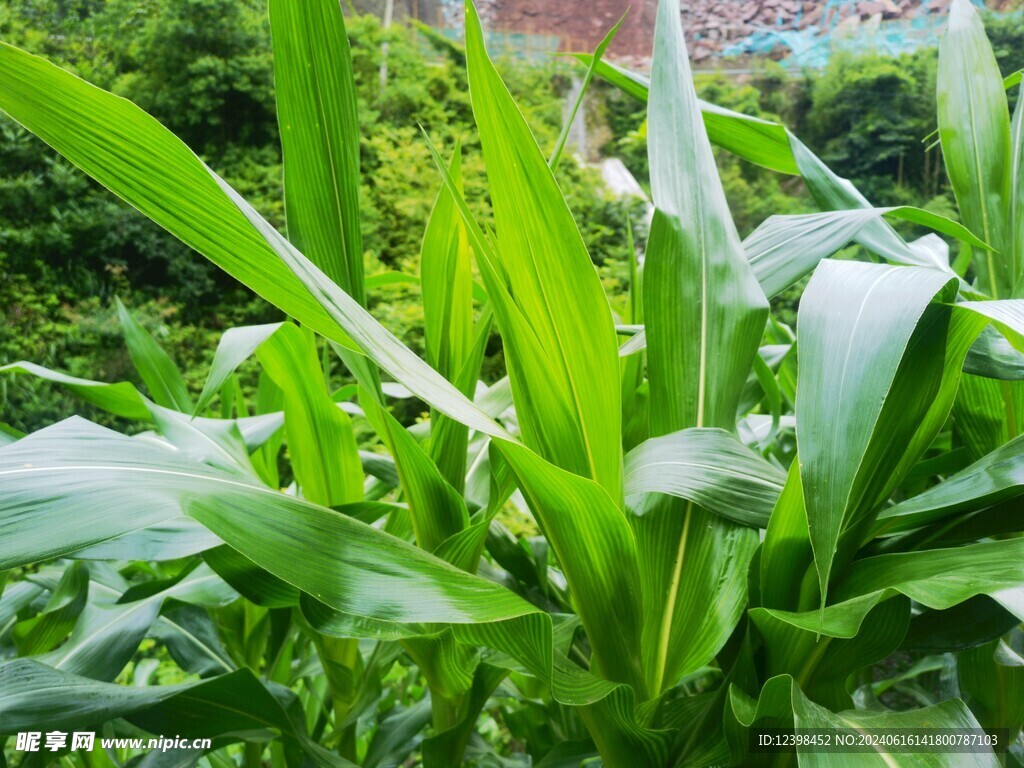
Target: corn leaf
(759,141)
(992,677)
(317,114)
(698,360)
(772,146)
(550,274)
(35,696)
(1015,200)
(379,344)
(108,632)
(163,379)
(704,314)
(597,551)
(856,323)
(595,60)
(437,510)
(996,477)
(323,447)
(447,282)
(865,633)
(120,398)
(974,128)
(781,700)
(939,578)
(139,160)
(708,467)
(42,632)
(235,347)
(785,248)
(320,551)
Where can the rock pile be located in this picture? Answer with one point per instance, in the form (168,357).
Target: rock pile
(712,25)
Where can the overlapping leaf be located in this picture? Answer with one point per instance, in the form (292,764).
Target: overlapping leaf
(704,314)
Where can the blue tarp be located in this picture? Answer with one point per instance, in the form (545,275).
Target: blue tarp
(813,45)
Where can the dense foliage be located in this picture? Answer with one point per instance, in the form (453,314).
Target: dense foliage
(663,517)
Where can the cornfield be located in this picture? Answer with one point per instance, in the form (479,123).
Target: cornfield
(742,528)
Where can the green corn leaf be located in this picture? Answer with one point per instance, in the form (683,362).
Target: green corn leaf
(981,414)
(772,146)
(865,633)
(1007,316)
(163,379)
(447,282)
(326,554)
(218,442)
(786,554)
(785,248)
(708,467)
(546,410)
(120,399)
(781,700)
(320,552)
(822,647)
(595,60)
(35,696)
(168,540)
(1015,200)
(992,680)
(437,510)
(250,580)
(974,127)
(993,357)
(378,343)
(974,622)
(855,325)
(397,735)
(698,360)
(987,411)
(50,626)
(235,347)
(866,619)
(447,747)
(139,160)
(447,664)
(833,193)
(323,447)
(318,118)
(317,114)
(996,477)
(596,549)
(464,549)
(191,638)
(704,314)
(108,632)
(449,439)
(550,274)
(123,399)
(772,398)
(759,141)
(940,578)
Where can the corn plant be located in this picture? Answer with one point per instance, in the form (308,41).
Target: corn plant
(738,523)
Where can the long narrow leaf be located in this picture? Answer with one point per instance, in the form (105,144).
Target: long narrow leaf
(316,111)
